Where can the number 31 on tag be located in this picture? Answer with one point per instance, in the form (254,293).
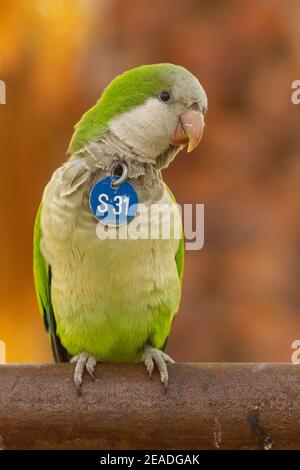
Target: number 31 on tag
(113,206)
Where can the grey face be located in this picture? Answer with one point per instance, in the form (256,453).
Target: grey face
(186,92)
(149,128)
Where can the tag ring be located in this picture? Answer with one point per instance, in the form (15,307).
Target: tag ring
(123,177)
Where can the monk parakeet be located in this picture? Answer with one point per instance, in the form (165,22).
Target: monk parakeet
(114,299)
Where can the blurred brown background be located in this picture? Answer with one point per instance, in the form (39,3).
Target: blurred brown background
(241,294)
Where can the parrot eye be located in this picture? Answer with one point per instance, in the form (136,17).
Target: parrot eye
(195,106)
(165,96)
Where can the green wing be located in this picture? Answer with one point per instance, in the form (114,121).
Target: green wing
(179,258)
(42,281)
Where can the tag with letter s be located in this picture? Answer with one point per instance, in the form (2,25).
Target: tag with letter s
(113,206)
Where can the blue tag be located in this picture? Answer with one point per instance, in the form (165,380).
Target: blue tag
(113,206)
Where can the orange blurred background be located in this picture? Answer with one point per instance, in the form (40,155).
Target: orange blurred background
(241,293)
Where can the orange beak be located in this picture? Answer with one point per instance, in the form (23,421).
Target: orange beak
(189,129)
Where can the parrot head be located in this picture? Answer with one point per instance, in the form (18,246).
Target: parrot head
(150,109)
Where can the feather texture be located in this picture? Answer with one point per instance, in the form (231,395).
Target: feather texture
(108,297)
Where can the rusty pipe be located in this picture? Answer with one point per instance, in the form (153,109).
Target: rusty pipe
(206,406)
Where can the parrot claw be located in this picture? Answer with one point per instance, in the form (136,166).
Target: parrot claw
(90,366)
(83,362)
(153,357)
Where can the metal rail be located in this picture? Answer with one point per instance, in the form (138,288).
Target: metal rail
(206,406)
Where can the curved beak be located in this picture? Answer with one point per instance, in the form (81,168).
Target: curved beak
(189,129)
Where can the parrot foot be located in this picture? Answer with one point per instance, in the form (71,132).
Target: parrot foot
(153,357)
(83,362)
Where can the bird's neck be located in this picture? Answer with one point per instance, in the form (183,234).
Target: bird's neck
(108,151)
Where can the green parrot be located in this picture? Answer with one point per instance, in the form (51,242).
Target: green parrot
(110,299)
